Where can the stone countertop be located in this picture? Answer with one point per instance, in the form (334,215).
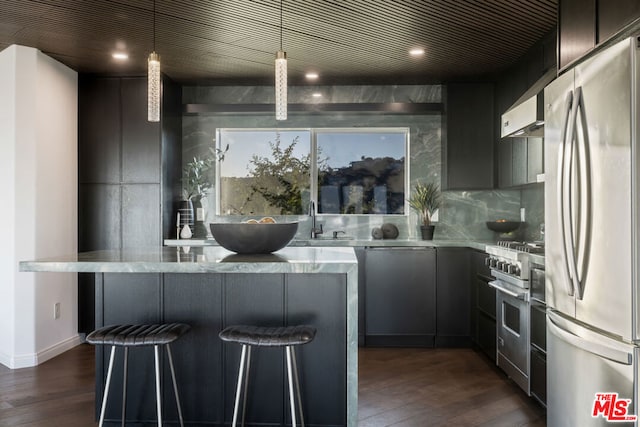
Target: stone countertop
(348,243)
(209,259)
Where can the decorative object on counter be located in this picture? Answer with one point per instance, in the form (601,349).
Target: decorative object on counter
(281,78)
(254,238)
(506,229)
(186,232)
(153,78)
(377,233)
(389,231)
(426,200)
(186,215)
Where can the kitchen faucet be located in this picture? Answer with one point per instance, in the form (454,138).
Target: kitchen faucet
(312,213)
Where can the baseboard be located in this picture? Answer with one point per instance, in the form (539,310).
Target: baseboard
(34,359)
(399,340)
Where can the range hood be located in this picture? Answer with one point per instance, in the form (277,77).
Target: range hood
(526,116)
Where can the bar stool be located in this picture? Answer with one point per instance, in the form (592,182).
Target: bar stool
(260,336)
(139,336)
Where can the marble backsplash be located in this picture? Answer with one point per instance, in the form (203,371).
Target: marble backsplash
(463,213)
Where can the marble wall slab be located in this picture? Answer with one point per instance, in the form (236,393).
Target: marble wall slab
(463,213)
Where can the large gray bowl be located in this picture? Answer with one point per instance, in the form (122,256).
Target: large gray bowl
(245,238)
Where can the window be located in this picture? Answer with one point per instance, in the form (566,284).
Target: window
(359,171)
(264,172)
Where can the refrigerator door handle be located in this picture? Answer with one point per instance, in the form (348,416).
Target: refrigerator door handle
(600,350)
(569,182)
(563,162)
(583,193)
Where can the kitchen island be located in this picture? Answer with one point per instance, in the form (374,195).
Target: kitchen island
(210,288)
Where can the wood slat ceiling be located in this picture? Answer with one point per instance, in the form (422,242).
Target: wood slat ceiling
(234,41)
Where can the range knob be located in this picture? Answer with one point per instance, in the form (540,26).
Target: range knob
(493,263)
(505,267)
(500,265)
(487,261)
(511,268)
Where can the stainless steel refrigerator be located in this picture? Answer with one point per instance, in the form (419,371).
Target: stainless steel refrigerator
(592,206)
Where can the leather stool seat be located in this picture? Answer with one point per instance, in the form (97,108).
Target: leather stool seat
(264,336)
(137,335)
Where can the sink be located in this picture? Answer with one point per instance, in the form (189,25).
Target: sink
(342,237)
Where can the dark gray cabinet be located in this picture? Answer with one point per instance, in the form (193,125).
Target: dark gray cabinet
(122,191)
(583,24)
(576,29)
(467,148)
(128,170)
(400,297)
(207,368)
(453,298)
(520,161)
(613,15)
(483,305)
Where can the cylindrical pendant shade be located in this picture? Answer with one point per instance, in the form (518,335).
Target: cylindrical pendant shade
(153,88)
(281,85)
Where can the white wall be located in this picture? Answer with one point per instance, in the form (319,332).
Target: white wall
(41,213)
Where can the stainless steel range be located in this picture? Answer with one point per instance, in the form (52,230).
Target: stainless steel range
(509,262)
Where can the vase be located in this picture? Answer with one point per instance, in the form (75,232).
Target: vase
(427,231)
(185,209)
(199,229)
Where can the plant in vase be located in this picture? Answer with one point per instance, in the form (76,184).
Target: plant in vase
(426,200)
(196,182)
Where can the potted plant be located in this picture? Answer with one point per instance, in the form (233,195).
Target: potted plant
(426,200)
(196,182)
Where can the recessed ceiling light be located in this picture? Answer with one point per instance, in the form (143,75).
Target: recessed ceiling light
(416,51)
(311,76)
(121,56)
(316,95)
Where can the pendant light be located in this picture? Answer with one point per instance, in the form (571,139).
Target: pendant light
(153,78)
(281,78)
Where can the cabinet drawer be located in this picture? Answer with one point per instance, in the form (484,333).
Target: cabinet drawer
(539,326)
(486,298)
(487,335)
(539,376)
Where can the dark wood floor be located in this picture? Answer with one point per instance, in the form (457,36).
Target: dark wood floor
(398,387)
(439,387)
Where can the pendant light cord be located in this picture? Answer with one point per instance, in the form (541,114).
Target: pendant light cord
(280,24)
(154,25)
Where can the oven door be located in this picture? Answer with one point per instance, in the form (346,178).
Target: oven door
(512,321)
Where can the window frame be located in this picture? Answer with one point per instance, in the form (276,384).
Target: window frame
(313,169)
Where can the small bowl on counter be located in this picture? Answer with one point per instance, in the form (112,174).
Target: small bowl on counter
(254,237)
(503,226)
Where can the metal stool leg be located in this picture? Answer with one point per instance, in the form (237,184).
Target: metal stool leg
(175,385)
(246,383)
(106,386)
(290,378)
(124,387)
(239,386)
(297,384)
(158,397)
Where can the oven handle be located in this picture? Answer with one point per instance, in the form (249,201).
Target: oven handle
(496,284)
